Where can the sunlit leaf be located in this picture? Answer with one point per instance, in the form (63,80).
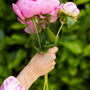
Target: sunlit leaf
(86,51)
(74,47)
(51,36)
(70,22)
(18,26)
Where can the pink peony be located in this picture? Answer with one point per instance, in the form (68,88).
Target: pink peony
(70,9)
(31,26)
(48,6)
(28,8)
(54,15)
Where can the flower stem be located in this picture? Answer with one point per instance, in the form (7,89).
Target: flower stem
(46,76)
(59,32)
(46,82)
(60,29)
(44,87)
(37,32)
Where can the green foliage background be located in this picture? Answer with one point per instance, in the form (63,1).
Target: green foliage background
(72,71)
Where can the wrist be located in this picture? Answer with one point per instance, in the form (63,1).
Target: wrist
(32,72)
(27,76)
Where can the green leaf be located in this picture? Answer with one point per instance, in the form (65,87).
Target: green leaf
(9,40)
(73,61)
(70,21)
(54,26)
(2,45)
(3,8)
(51,36)
(83,65)
(78,2)
(43,37)
(1,34)
(39,27)
(36,20)
(65,79)
(73,71)
(20,55)
(18,39)
(74,47)
(87,6)
(18,26)
(64,55)
(47,15)
(86,51)
(76,81)
(82,13)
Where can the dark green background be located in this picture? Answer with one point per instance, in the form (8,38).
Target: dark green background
(72,71)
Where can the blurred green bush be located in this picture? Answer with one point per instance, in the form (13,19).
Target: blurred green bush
(72,71)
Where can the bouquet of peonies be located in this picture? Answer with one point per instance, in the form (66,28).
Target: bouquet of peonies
(37,15)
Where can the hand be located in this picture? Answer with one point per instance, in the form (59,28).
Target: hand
(39,65)
(43,63)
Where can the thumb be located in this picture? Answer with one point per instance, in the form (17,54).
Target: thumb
(53,50)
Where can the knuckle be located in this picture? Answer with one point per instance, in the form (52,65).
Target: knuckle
(54,63)
(54,56)
(53,67)
(51,56)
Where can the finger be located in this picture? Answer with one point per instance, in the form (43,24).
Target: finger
(53,50)
(53,63)
(52,68)
(51,58)
(49,69)
(50,64)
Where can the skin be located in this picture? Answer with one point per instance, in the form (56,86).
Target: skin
(39,65)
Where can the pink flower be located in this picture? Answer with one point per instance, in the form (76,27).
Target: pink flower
(54,15)
(28,8)
(70,9)
(31,26)
(25,9)
(48,6)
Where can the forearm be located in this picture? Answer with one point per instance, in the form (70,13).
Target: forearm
(27,76)
(38,66)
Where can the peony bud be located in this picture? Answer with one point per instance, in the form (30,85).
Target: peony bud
(69,9)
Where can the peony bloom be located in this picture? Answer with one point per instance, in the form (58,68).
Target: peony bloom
(31,26)
(69,9)
(54,15)
(25,9)
(29,8)
(48,6)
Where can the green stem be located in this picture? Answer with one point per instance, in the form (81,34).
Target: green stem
(44,87)
(59,32)
(46,76)
(46,82)
(36,32)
